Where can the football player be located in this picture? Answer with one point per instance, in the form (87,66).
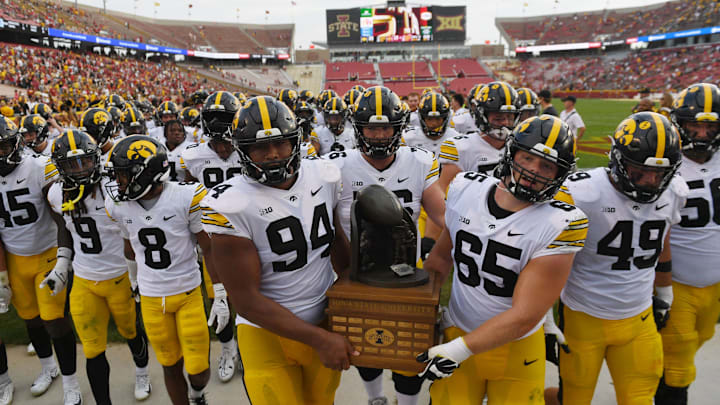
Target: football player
(527,104)
(434,111)
(696,286)
(289,97)
(212,163)
(176,142)
(101,278)
(190,118)
(197,99)
(147,110)
(34,262)
(46,112)
(495,115)
(335,135)
(98,123)
(305,117)
(512,246)
(160,222)
(322,98)
(34,130)
(352,96)
(410,173)
(276,239)
(167,111)
(133,122)
(608,310)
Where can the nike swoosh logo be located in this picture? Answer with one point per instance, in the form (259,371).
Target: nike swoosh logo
(401,180)
(316,191)
(643,318)
(51,260)
(99,208)
(659,207)
(527,363)
(510,234)
(119,281)
(166,218)
(20,181)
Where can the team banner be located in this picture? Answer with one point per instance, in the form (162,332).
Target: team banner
(343,26)
(449,23)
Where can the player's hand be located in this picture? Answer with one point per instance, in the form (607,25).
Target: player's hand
(661,311)
(553,338)
(335,352)
(426,245)
(132,275)
(57,278)
(443,359)
(220,310)
(5,292)
(662,301)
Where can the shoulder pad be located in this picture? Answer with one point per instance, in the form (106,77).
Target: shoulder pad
(337,157)
(228,197)
(422,155)
(329,170)
(54,196)
(679,187)
(582,185)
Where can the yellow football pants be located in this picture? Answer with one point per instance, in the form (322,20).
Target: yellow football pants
(283,371)
(92,302)
(512,374)
(632,348)
(177,328)
(693,315)
(25,274)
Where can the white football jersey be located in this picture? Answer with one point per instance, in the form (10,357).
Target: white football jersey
(292,230)
(97,241)
(177,173)
(157,133)
(307,150)
(470,152)
(613,276)
(149,124)
(26,227)
(494,250)
(47,151)
(413,171)
(415,137)
(327,139)
(195,135)
(207,167)
(694,241)
(319,119)
(163,238)
(463,121)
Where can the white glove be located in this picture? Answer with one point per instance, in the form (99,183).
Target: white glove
(220,310)
(57,278)
(132,275)
(5,292)
(443,359)
(553,335)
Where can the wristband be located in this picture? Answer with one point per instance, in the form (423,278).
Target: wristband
(664,267)
(64,253)
(219,290)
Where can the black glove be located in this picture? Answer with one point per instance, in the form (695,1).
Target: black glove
(661,312)
(426,245)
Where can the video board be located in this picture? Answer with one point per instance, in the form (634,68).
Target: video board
(396,24)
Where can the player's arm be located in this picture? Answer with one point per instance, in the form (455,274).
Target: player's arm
(663,298)
(189,178)
(580,133)
(57,278)
(433,201)
(239,268)
(340,249)
(5,291)
(440,260)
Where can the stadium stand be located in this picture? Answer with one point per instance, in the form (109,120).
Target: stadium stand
(400,71)
(344,86)
(60,73)
(338,71)
(611,24)
(458,68)
(656,69)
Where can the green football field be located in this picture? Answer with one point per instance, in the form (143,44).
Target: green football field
(601,118)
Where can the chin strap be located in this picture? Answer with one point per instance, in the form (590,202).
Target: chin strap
(70,205)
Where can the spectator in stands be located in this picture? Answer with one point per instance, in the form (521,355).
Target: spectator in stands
(413,100)
(644,101)
(572,117)
(546,103)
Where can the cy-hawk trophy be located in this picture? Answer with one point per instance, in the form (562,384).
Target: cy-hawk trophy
(386,306)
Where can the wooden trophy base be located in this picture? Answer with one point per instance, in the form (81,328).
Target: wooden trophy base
(388,326)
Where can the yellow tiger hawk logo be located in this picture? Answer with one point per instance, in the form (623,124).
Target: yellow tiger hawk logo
(625,132)
(10,124)
(141,150)
(39,121)
(100,118)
